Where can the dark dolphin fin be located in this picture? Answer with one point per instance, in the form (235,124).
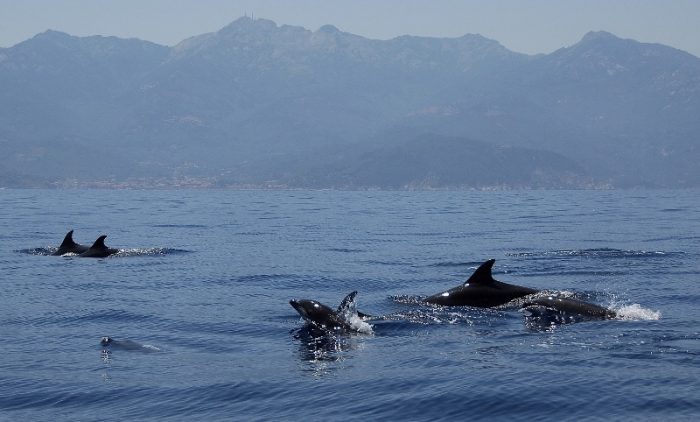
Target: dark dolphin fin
(68,245)
(68,241)
(98,249)
(482,275)
(99,243)
(348,307)
(347,310)
(348,303)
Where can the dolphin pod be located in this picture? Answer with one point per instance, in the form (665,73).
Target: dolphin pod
(97,250)
(480,290)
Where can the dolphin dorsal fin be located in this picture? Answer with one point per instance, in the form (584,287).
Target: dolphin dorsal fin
(68,240)
(348,303)
(482,275)
(99,243)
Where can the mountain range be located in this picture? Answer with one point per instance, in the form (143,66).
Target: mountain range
(261,105)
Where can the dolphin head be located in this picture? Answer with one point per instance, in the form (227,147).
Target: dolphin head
(311,310)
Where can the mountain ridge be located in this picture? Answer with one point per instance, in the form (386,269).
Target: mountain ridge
(249,104)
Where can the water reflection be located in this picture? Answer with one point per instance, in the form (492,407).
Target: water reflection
(319,345)
(549,320)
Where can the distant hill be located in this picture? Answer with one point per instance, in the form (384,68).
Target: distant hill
(257,104)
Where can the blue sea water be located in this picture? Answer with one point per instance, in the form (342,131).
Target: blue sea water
(204,278)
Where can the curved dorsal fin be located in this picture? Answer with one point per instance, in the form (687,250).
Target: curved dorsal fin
(68,240)
(482,275)
(347,303)
(99,243)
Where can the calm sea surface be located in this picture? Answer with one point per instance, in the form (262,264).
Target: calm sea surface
(203,281)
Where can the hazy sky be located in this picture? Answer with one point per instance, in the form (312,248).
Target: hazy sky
(527,26)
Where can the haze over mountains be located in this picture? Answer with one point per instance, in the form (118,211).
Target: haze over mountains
(257,104)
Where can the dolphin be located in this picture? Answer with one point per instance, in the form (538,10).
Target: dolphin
(344,319)
(98,249)
(566,307)
(69,246)
(480,290)
(127,344)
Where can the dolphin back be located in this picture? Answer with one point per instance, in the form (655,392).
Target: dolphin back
(569,306)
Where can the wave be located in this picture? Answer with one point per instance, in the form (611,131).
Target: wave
(345,250)
(596,253)
(409,299)
(452,264)
(636,312)
(38,251)
(48,251)
(152,252)
(181,226)
(427,314)
(433,316)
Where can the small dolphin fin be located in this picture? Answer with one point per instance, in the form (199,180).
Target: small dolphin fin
(348,307)
(68,240)
(348,304)
(363,316)
(482,275)
(99,243)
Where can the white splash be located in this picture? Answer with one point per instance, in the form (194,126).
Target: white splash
(150,347)
(357,324)
(635,312)
(349,314)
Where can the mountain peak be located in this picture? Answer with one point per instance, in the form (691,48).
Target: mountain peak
(329,29)
(592,36)
(246,23)
(51,34)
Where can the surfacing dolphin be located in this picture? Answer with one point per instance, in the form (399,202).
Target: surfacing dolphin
(566,308)
(98,249)
(344,319)
(481,290)
(69,246)
(126,344)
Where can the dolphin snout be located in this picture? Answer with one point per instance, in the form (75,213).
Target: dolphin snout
(299,306)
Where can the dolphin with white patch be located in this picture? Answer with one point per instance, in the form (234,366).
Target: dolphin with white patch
(342,320)
(481,290)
